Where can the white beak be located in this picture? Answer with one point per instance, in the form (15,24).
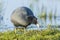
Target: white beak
(37,25)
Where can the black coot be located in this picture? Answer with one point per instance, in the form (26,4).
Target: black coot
(23,17)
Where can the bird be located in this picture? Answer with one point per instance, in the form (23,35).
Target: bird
(23,16)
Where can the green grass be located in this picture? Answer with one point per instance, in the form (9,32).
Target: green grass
(48,34)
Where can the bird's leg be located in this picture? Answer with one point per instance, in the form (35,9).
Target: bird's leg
(24,31)
(21,29)
(15,29)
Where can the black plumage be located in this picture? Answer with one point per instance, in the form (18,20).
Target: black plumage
(23,17)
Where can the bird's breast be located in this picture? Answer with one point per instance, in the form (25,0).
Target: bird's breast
(20,18)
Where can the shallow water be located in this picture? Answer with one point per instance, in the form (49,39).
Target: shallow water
(36,8)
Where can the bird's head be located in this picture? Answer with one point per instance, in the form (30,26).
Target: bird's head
(33,20)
